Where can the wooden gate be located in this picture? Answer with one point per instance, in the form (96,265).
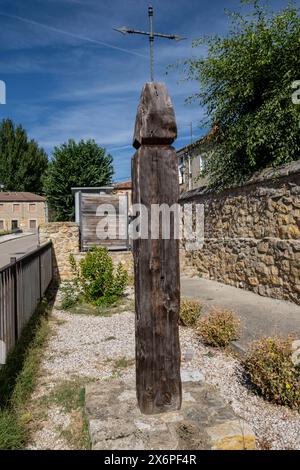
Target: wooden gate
(103,221)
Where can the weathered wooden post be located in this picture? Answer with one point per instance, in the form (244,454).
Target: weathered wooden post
(156,261)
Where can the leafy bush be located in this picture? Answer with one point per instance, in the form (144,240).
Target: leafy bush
(269,366)
(8,232)
(245,85)
(219,327)
(189,312)
(101,282)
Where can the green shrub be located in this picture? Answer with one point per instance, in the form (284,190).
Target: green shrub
(189,312)
(6,232)
(269,366)
(219,327)
(102,283)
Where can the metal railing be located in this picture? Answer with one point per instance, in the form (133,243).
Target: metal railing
(23,283)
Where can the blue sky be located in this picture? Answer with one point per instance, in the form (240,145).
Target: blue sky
(69,75)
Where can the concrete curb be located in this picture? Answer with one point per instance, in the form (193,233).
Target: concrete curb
(238,349)
(14,237)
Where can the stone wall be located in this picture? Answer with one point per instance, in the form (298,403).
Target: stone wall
(252,234)
(66,241)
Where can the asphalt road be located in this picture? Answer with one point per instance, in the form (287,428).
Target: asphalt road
(18,247)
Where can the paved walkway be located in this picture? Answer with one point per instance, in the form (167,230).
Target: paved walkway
(259,315)
(17,246)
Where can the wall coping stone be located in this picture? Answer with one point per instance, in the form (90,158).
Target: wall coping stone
(268,174)
(60,224)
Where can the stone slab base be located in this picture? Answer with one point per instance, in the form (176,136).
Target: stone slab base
(204,422)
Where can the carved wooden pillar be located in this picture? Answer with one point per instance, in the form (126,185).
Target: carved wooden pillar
(156,261)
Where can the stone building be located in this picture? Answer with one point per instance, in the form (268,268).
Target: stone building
(191,163)
(124,188)
(22,210)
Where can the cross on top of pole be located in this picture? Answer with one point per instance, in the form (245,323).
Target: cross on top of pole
(151,35)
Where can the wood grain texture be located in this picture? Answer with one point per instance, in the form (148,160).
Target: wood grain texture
(157,283)
(155,121)
(114,234)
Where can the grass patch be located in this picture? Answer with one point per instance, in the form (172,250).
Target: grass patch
(120,364)
(77,434)
(12,432)
(18,359)
(18,378)
(27,378)
(123,363)
(69,395)
(59,322)
(121,305)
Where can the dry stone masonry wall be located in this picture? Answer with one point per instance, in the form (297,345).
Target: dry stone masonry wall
(252,234)
(66,241)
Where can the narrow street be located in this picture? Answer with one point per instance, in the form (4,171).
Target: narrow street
(17,247)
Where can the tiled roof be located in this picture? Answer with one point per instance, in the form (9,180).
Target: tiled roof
(20,197)
(124,185)
(197,143)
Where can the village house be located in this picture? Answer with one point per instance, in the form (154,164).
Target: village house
(191,163)
(22,210)
(124,188)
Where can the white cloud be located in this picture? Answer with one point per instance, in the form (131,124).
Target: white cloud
(93,89)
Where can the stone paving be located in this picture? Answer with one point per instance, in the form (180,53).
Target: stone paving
(205,421)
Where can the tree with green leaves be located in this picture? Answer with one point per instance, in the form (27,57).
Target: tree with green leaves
(73,165)
(245,83)
(22,162)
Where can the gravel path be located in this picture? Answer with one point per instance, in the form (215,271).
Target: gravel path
(92,347)
(276,427)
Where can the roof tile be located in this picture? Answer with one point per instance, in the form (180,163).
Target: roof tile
(20,197)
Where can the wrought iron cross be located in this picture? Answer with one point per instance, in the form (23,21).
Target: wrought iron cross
(152,35)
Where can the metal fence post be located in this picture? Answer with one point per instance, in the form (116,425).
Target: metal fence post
(40,273)
(13,262)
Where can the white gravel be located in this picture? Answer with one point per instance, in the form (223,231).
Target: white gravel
(277,427)
(49,437)
(83,344)
(88,346)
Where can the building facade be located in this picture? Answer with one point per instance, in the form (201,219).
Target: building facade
(22,210)
(121,189)
(191,163)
